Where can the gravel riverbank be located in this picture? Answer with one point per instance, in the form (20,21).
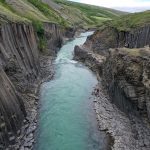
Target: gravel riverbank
(128,132)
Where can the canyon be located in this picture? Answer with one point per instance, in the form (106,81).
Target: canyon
(118,54)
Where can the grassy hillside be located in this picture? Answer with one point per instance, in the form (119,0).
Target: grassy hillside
(130,21)
(7,14)
(82,14)
(61,12)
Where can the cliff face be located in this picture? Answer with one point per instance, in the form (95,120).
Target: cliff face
(54,37)
(92,60)
(126,76)
(22,67)
(125,71)
(110,37)
(19,68)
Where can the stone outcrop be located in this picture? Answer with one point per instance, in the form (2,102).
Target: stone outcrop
(90,59)
(109,37)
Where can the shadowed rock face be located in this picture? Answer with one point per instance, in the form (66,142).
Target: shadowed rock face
(12,111)
(21,71)
(109,37)
(54,36)
(19,67)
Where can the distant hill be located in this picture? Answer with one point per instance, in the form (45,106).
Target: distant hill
(62,12)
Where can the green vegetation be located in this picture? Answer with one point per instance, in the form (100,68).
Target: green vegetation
(27,10)
(130,21)
(84,15)
(66,13)
(39,28)
(7,14)
(136,52)
(90,10)
(60,12)
(51,14)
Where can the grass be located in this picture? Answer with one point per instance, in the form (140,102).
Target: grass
(27,10)
(136,52)
(48,12)
(130,21)
(70,14)
(7,15)
(101,18)
(39,28)
(86,15)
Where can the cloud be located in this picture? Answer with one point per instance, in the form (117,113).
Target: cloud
(118,3)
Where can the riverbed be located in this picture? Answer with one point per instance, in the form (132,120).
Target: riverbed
(67,120)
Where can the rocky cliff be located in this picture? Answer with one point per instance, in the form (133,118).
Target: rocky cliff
(123,82)
(121,60)
(54,37)
(109,37)
(96,54)
(126,76)
(22,68)
(19,68)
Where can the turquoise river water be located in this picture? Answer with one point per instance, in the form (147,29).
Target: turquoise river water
(67,120)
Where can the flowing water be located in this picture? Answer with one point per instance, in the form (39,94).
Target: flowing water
(67,120)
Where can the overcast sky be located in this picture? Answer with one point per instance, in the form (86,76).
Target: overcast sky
(125,5)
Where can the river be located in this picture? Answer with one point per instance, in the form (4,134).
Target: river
(67,120)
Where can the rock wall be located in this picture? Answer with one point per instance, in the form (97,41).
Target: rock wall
(22,68)
(54,37)
(125,74)
(127,77)
(19,67)
(109,37)
(125,70)
(93,61)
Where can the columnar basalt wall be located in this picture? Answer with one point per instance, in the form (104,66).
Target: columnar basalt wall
(124,71)
(54,37)
(126,76)
(110,37)
(19,67)
(21,70)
